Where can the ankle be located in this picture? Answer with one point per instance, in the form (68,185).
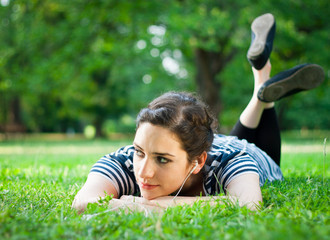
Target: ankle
(269,105)
(261,104)
(262,75)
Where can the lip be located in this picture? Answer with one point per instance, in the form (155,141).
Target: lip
(147,186)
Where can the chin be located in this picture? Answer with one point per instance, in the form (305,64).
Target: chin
(151,196)
(148,196)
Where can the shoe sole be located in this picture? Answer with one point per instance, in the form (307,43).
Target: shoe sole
(260,27)
(306,78)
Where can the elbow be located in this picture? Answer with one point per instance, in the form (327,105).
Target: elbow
(253,205)
(79,205)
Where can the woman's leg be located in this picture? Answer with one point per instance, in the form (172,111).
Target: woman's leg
(258,122)
(251,115)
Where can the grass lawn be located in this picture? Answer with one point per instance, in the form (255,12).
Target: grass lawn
(38,181)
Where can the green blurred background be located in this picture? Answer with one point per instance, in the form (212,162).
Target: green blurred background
(75,66)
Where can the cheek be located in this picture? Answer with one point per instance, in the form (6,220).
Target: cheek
(172,177)
(136,164)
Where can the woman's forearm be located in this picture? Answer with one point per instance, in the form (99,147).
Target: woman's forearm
(140,204)
(170,201)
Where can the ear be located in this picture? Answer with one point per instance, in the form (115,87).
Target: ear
(201,161)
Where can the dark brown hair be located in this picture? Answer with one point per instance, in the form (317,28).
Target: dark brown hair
(186,116)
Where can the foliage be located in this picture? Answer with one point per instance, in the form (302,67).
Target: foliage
(74,63)
(36,194)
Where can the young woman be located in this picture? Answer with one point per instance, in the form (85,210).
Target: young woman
(178,158)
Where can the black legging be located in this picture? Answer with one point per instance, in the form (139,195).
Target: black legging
(266,136)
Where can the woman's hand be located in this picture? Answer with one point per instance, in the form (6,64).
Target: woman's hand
(162,203)
(165,201)
(134,204)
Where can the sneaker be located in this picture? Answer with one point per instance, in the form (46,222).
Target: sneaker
(300,78)
(262,36)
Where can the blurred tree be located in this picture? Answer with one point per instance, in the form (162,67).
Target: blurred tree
(66,59)
(66,64)
(211,32)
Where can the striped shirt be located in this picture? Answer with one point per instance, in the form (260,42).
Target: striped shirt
(227,159)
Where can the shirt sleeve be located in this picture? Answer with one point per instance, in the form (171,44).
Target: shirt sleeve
(235,167)
(117,167)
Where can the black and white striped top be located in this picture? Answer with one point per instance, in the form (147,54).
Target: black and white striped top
(227,159)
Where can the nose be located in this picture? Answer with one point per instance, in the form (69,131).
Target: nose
(146,169)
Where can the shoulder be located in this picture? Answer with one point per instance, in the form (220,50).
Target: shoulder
(122,154)
(224,148)
(117,167)
(122,158)
(126,150)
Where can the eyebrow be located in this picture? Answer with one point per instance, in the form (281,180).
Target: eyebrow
(155,153)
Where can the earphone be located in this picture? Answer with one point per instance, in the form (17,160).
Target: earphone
(184,181)
(194,168)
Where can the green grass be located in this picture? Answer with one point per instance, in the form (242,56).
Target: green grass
(38,181)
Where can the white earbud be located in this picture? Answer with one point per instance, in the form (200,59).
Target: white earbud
(194,168)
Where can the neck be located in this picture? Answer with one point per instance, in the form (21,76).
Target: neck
(193,186)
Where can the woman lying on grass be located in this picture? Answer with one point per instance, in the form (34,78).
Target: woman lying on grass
(178,158)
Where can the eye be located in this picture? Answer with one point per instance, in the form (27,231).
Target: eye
(139,153)
(162,160)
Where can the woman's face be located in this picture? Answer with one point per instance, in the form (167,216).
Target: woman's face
(160,164)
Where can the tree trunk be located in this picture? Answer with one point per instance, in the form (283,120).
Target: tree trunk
(208,87)
(209,65)
(15,111)
(98,124)
(13,121)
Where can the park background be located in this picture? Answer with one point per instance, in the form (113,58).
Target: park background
(79,68)
(71,66)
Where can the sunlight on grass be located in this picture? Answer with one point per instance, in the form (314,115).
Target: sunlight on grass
(38,183)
